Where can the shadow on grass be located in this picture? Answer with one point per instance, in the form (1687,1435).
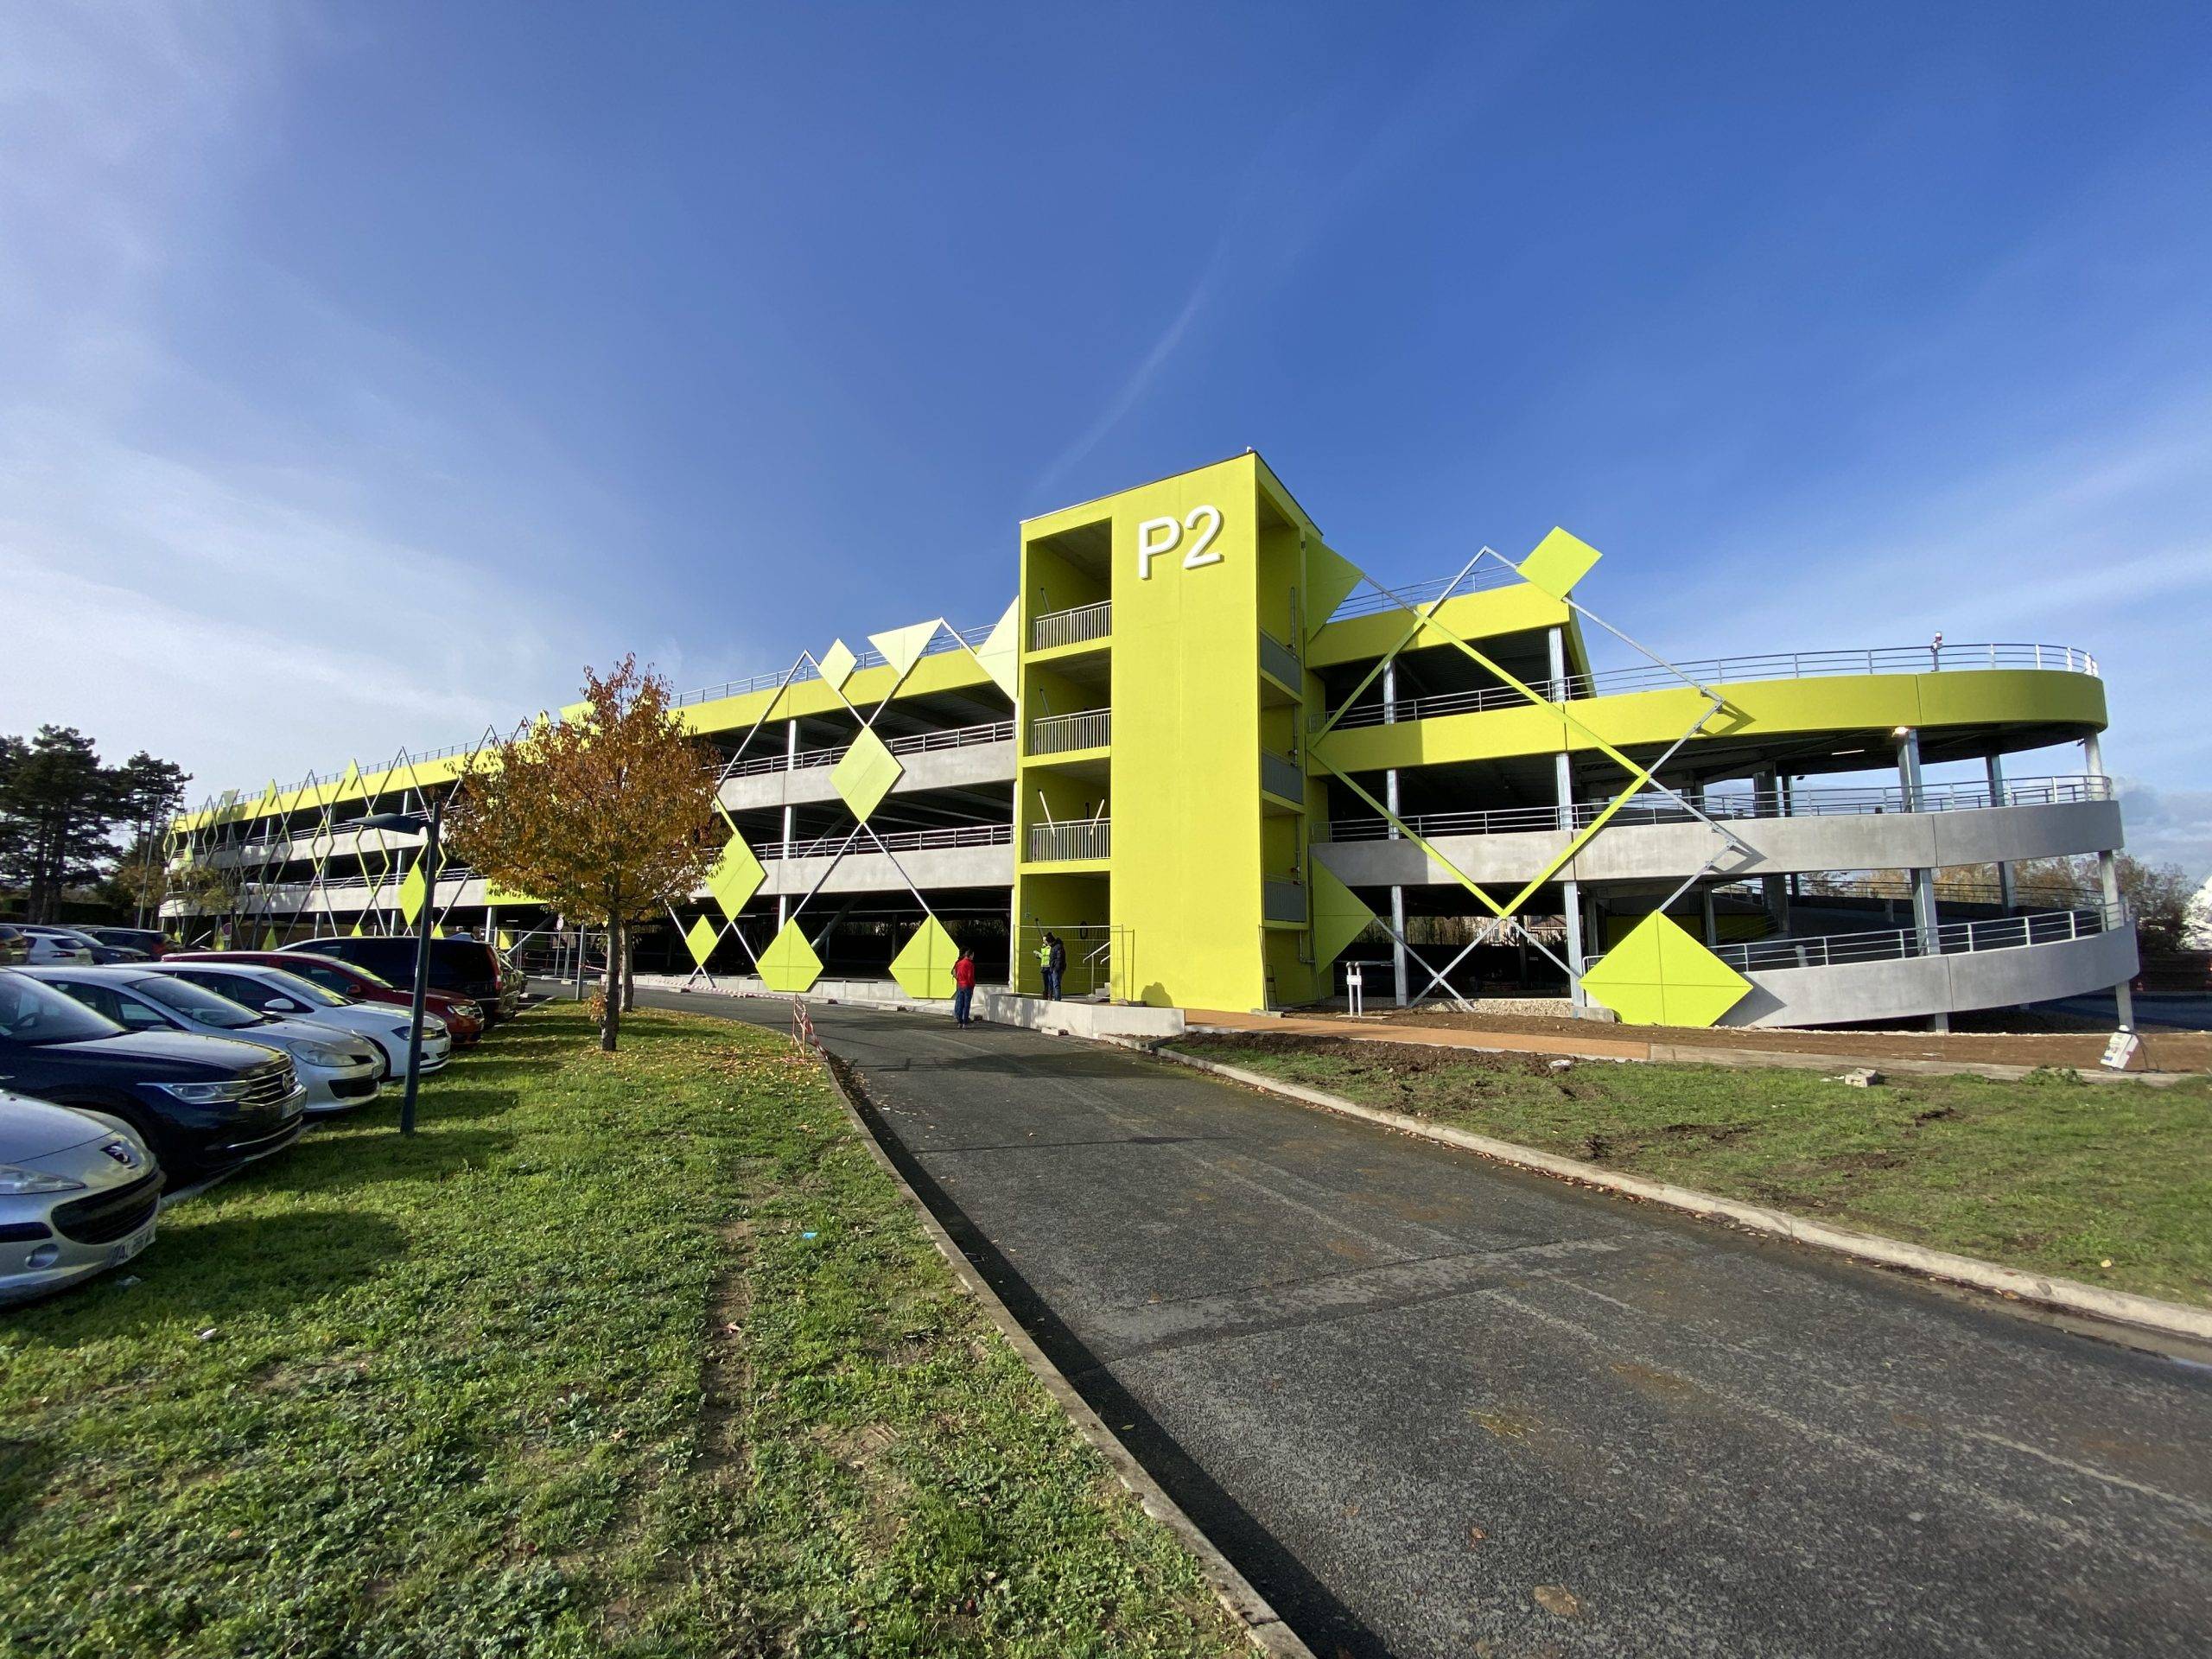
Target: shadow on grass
(199,1272)
(340,1166)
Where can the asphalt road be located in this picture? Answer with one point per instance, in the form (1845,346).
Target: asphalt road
(1433,1406)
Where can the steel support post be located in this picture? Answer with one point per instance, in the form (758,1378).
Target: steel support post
(1398,986)
(2123,995)
(790,766)
(1570,899)
(1924,921)
(1773,889)
(2006,896)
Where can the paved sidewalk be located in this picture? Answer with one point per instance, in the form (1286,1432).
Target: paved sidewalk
(1432,1407)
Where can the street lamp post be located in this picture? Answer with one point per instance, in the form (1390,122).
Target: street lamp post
(428,860)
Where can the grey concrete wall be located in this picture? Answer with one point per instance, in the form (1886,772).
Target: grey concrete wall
(1777,846)
(1856,993)
(872,872)
(975,763)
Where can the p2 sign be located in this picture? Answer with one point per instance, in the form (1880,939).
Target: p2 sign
(1156,536)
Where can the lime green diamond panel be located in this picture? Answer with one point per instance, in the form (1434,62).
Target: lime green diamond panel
(836,665)
(789,964)
(923,964)
(412,893)
(865,773)
(1660,975)
(701,938)
(737,876)
(1557,563)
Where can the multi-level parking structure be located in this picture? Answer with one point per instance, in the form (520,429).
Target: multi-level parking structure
(1222,765)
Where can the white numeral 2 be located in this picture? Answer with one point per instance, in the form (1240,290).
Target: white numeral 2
(1159,535)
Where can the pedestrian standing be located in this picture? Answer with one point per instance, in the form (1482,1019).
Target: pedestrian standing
(1055,964)
(963,989)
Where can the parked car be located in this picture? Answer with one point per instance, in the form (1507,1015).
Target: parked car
(46,945)
(202,1104)
(15,945)
(78,1193)
(466,968)
(338,1069)
(101,953)
(463,1016)
(150,940)
(271,990)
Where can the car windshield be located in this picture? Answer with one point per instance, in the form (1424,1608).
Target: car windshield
(33,1014)
(363,974)
(201,1006)
(305,990)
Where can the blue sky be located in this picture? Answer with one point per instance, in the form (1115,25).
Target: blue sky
(714,332)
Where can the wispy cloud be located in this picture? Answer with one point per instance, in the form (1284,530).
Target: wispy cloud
(244,580)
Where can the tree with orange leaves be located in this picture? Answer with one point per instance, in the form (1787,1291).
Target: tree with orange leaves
(603,815)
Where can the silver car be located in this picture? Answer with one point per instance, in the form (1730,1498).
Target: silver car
(338,1068)
(79,1194)
(271,990)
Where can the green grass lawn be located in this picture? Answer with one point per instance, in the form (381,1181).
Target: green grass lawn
(631,1354)
(2110,1182)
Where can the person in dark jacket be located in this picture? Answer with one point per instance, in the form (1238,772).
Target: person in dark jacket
(1055,965)
(964,988)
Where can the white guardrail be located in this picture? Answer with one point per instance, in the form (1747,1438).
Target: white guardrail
(1897,943)
(1720,670)
(1722,805)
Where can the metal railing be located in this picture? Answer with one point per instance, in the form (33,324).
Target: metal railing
(1488,574)
(958,737)
(946,638)
(1736,804)
(1078,838)
(1787,666)
(1073,626)
(1282,776)
(896,841)
(1280,660)
(1897,945)
(1090,729)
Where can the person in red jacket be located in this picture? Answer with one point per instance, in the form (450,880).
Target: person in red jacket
(963,982)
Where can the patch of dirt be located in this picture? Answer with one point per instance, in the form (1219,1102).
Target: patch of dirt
(2026,1042)
(1397,1061)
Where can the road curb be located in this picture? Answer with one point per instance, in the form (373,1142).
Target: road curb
(2068,1295)
(1251,1610)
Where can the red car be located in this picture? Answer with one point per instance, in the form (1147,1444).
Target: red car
(464,1018)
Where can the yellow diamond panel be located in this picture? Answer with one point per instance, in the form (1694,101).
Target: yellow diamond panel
(789,964)
(1329,578)
(1660,975)
(836,665)
(923,964)
(412,893)
(737,876)
(902,647)
(701,938)
(1001,651)
(1557,563)
(865,773)
(1338,916)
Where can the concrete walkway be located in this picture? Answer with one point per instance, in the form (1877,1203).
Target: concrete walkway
(1432,1407)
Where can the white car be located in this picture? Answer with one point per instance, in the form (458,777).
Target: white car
(271,990)
(49,945)
(338,1069)
(78,1193)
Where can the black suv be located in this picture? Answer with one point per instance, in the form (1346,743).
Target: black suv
(466,968)
(203,1104)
